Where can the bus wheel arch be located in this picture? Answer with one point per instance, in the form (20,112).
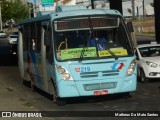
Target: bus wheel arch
(56,99)
(59,101)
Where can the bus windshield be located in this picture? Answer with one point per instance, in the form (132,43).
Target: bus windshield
(91,38)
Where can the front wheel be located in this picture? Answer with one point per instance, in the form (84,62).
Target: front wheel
(59,101)
(143,78)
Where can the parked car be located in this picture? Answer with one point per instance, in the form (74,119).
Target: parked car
(148,61)
(13,39)
(2,34)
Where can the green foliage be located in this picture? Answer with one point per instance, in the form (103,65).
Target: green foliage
(152,4)
(14,9)
(129,10)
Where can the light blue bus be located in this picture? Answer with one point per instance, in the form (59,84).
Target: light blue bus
(74,51)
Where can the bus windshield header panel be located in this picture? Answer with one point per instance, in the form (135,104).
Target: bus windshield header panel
(86,23)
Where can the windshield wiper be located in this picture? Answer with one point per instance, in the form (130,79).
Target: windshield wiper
(85,46)
(83,50)
(112,53)
(82,54)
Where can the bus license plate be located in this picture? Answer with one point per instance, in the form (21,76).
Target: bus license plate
(103,92)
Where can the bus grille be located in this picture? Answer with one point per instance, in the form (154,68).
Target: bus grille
(100,86)
(99,74)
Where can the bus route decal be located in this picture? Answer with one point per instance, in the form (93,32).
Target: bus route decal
(118,52)
(76,53)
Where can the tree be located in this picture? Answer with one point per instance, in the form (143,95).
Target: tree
(129,10)
(152,4)
(14,9)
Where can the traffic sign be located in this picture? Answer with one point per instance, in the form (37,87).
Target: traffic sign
(47,2)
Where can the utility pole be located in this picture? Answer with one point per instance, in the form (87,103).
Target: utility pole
(0,17)
(143,9)
(133,8)
(92,4)
(35,8)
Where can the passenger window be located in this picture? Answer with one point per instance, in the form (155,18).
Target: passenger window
(33,41)
(33,44)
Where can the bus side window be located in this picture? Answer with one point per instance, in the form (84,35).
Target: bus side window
(47,42)
(33,42)
(25,34)
(38,35)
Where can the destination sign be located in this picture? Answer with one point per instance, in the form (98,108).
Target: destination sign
(86,23)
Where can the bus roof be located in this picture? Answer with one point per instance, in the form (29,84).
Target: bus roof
(40,13)
(86,13)
(34,19)
(81,10)
(70,11)
(70,8)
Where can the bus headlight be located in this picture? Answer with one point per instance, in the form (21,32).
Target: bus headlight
(61,70)
(131,68)
(63,73)
(65,76)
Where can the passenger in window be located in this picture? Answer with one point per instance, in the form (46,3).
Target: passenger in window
(100,42)
(98,38)
(33,44)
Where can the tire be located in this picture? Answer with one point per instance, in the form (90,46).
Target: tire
(27,83)
(138,74)
(143,78)
(125,95)
(58,100)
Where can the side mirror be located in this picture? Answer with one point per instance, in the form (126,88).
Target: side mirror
(47,33)
(130,26)
(47,38)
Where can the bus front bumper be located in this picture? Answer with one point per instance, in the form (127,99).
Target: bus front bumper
(93,87)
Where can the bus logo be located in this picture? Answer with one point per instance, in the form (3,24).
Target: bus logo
(117,66)
(77,69)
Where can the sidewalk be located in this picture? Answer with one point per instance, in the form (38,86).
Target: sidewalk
(145,34)
(16,97)
(11,98)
